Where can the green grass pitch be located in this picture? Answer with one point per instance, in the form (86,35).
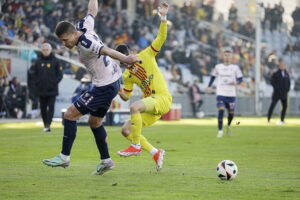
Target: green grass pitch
(267,156)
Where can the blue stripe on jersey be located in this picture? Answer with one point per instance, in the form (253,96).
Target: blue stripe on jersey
(84,41)
(90,15)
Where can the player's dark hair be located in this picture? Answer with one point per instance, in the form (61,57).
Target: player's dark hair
(64,27)
(123,48)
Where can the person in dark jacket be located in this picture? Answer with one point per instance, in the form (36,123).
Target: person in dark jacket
(280,81)
(195,98)
(15,99)
(48,74)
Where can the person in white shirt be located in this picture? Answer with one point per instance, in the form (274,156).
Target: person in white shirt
(105,71)
(228,77)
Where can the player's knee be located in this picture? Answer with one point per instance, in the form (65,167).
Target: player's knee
(134,108)
(69,115)
(94,123)
(125,131)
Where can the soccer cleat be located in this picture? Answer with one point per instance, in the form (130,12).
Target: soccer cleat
(104,166)
(220,134)
(280,123)
(47,129)
(56,162)
(130,151)
(158,158)
(228,131)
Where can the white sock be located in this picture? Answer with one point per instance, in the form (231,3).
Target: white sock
(64,157)
(137,145)
(220,131)
(154,151)
(105,160)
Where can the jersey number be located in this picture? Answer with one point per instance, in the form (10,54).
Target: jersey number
(85,42)
(105,61)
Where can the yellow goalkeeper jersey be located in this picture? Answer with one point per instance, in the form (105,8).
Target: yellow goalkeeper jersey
(147,76)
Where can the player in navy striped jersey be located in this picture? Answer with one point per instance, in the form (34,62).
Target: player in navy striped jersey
(100,62)
(228,77)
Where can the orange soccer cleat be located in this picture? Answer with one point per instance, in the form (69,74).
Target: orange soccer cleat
(158,158)
(130,151)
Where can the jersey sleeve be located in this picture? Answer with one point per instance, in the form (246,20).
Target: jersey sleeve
(86,24)
(91,43)
(161,37)
(128,85)
(238,72)
(215,71)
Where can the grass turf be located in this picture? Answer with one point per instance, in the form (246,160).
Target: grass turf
(268,158)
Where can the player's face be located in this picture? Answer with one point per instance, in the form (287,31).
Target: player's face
(68,40)
(227,56)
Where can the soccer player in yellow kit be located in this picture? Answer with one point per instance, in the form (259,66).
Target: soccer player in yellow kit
(156,99)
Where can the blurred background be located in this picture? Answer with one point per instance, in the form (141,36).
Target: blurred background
(258,32)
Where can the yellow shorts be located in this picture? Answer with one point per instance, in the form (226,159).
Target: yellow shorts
(156,106)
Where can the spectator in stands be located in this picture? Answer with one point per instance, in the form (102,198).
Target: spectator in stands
(297,84)
(232,13)
(195,97)
(296,15)
(48,74)
(3,107)
(281,11)
(274,15)
(15,99)
(281,84)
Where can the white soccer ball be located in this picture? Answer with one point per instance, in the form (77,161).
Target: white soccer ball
(200,114)
(227,170)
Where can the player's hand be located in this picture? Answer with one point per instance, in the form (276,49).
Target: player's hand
(163,9)
(121,91)
(132,59)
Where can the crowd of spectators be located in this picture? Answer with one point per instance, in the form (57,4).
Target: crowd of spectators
(189,45)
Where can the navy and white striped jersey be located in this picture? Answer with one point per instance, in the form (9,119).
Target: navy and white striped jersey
(104,70)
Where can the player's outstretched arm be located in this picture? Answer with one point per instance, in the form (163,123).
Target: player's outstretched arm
(123,95)
(162,32)
(131,59)
(93,7)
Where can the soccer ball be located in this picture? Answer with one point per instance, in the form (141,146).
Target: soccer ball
(227,170)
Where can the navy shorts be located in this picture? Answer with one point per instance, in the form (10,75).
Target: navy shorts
(227,102)
(97,100)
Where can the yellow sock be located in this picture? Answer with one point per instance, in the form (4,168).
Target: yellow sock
(136,128)
(144,142)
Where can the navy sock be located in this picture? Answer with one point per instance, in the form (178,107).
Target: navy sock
(100,138)
(230,117)
(220,119)
(69,136)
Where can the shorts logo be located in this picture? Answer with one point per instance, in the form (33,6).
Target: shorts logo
(86,95)
(86,101)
